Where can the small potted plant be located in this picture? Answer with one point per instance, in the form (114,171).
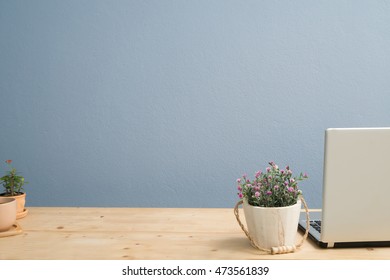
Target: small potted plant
(272,206)
(13,184)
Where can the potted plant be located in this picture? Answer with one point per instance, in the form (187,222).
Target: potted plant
(7,213)
(272,206)
(13,184)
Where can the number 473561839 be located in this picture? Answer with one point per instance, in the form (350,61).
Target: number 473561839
(230,270)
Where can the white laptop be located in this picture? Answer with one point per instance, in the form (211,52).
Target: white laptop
(356,189)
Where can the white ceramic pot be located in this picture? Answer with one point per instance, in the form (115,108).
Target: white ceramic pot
(272,226)
(7,213)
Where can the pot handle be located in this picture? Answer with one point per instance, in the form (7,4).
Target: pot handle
(280,249)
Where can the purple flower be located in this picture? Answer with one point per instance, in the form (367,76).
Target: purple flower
(268,184)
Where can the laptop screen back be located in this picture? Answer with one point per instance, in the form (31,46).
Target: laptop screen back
(356,187)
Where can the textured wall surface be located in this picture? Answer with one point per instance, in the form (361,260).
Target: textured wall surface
(166,103)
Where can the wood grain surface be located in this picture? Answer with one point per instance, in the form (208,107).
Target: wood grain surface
(147,234)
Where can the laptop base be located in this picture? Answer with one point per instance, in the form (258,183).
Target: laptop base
(358,244)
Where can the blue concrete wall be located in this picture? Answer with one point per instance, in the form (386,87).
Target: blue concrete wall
(166,103)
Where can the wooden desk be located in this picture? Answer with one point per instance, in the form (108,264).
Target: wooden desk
(147,233)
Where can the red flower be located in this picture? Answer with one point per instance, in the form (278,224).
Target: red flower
(8,161)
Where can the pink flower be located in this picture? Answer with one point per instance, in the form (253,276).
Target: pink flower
(238,180)
(239,188)
(290,189)
(268,169)
(276,187)
(269,192)
(240,195)
(258,173)
(257,194)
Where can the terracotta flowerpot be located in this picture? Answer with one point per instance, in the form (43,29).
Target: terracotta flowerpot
(272,226)
(7,213)
(21,212)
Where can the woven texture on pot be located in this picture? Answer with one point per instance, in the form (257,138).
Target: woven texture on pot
(277,249)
